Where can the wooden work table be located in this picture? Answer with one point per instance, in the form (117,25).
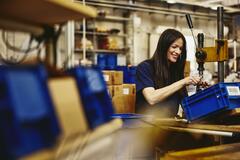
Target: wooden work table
(201,128)
(226,152)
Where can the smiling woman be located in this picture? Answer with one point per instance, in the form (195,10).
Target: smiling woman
(175,50)
(160,80)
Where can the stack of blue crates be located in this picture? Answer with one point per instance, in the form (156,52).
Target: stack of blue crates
(129,73)
(219,97)
(107,61)
(93,92)
(27,119)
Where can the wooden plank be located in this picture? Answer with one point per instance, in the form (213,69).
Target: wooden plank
(234,112)
(228,156)
(44,12)
(213,152)
(217,127)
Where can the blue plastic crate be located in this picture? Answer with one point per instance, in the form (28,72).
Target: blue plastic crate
(27,119)
(102,61)
(129,73)
(132,74)
(107,61)
(132,120)
(111,61)
(221,96)
(92,88)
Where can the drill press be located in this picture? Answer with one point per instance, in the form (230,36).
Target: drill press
(200,54)
(218,53)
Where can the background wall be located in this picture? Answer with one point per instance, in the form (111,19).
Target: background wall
(150,26)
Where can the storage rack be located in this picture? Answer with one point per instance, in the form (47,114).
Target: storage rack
(39,18)
(94,35)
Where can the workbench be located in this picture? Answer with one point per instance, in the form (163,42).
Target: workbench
(201,128)
(225,152)
(220,133)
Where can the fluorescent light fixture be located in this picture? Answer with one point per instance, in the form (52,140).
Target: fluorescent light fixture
(214,7)
(171,1)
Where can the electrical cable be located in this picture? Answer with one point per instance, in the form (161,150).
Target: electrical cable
(9,60)
(17,49)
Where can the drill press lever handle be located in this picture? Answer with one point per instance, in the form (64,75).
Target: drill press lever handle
(189,21)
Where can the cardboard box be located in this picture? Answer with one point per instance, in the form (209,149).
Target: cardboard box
(107,75)
(124,103)
(117,90)
(112,77)
(186,74)
(68,106)
(110,90)
(117,77)
(129,89)
(187,69)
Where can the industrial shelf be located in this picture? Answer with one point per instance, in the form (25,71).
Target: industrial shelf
(112,18)
(101,34)
(103,51)
(44,12)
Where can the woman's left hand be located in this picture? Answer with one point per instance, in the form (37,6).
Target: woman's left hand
(203,84)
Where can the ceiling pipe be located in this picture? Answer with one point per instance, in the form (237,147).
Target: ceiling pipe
(151,9)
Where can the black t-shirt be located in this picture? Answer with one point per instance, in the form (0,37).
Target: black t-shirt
(145,78)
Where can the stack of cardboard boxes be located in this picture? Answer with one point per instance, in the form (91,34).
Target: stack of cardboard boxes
(187,69)
(123,95)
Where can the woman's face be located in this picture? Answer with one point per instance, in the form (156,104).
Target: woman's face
(175,50)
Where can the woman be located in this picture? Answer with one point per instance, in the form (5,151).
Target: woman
(160,80)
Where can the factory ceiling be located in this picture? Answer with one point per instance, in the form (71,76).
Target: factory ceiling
(230,6)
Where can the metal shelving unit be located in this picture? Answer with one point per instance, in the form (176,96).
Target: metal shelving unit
(16,15)
(101,34)
(103,50)
(93,35)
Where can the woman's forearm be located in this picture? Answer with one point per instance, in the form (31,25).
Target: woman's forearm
(154,96)
(163,93)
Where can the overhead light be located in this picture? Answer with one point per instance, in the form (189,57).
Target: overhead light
(214,7)
(171,1)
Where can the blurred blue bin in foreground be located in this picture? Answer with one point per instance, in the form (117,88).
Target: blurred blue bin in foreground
(93,92)
(27,119)
(219,97)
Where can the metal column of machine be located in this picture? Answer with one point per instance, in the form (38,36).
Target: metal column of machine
(220,36)
(218,53)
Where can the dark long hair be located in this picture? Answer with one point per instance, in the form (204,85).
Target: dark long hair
(167,73)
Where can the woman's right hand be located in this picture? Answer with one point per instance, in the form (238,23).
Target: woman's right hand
(192,80)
